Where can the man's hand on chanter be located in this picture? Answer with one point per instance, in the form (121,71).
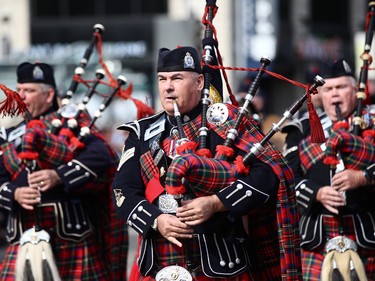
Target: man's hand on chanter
(199,210)
(172,228)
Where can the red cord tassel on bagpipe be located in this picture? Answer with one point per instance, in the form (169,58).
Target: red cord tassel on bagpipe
(143,110)
(37,143)
(13,104)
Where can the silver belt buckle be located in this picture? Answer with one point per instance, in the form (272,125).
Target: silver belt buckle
(173,273)
(167,204)
(341,244)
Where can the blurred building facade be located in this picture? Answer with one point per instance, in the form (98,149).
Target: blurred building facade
(296,35)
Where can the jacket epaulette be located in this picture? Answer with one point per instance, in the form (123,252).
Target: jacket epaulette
(135,126)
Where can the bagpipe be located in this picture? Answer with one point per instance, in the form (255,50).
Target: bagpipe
(54,140)
(57,123)
(194,164)
(357,148)
(60,135)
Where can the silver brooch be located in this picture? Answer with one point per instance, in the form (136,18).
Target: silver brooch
(38,73)
(69,111)
(167,204)
(189,61)
(217,114)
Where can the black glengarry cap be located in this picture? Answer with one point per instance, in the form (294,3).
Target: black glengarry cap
(336,69)
(180,59)
(35,73)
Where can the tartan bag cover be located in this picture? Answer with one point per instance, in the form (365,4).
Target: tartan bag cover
(357,153)
(49,149)
(205,175)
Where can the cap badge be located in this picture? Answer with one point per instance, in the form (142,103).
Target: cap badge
(346,67)
(189,61)
(38,73)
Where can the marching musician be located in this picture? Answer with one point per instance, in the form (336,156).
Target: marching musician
(73,199)
(333,202)
(182,246)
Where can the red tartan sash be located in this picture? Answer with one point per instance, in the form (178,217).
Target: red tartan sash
(150,177)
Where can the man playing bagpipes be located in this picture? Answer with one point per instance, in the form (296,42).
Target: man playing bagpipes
(69,200)
(178,247)
(334,189)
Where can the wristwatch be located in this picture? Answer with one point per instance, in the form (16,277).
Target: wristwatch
(155,224)
(367,176)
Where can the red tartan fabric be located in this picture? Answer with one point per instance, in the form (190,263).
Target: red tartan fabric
(205,175)
(357,153)
(149,169)
(13,164)
(312,261)
(287,213)
(115,242)
(79,261)
(309,154)
(113,230)
(52,150)
(75,261)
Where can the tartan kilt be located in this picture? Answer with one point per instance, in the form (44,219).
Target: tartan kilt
(312,260)
(75,261)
